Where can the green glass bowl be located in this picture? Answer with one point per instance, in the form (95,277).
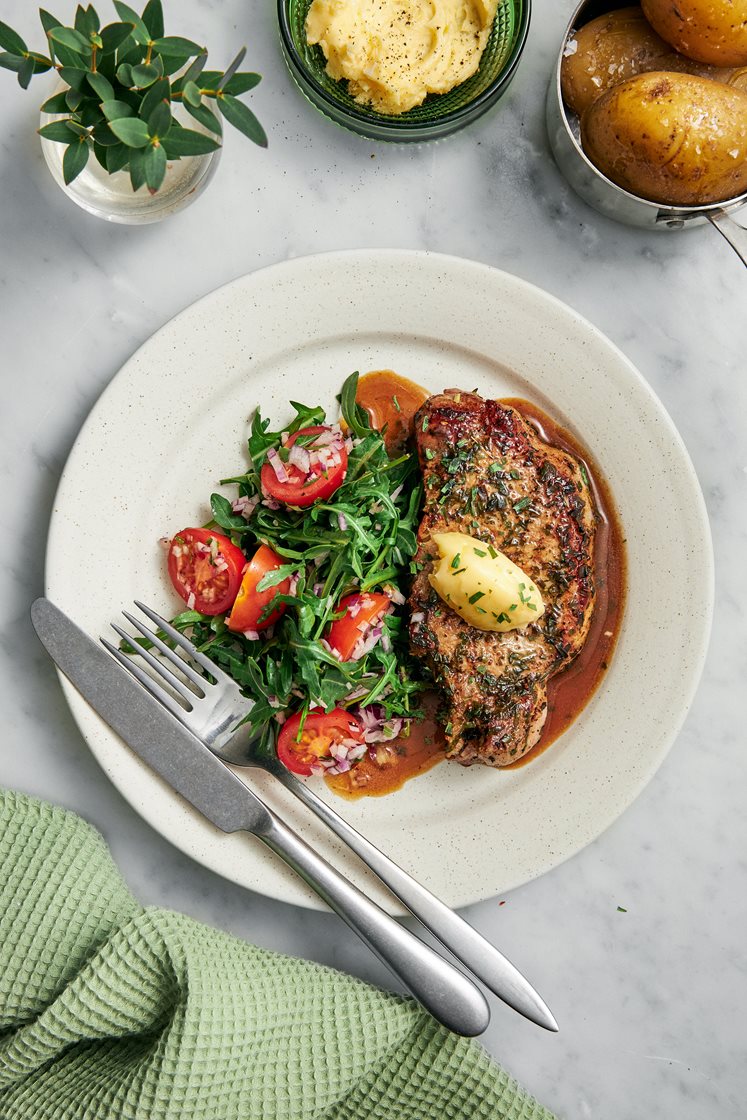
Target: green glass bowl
(440,114)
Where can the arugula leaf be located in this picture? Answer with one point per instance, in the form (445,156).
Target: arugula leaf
(361,538)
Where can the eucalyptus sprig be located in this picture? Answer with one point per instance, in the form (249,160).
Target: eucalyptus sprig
(123,81)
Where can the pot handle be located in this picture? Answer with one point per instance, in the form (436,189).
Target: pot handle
(735,234)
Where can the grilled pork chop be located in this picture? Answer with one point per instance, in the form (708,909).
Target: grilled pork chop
(488,473)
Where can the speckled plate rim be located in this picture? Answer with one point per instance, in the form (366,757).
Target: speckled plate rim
(173,421)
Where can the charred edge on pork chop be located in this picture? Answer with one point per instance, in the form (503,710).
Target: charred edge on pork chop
(488,473)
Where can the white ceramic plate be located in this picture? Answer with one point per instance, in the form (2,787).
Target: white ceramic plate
(174,421)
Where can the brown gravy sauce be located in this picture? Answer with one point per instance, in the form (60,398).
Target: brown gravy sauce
(392,400)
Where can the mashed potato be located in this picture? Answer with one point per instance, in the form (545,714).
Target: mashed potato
(394,53)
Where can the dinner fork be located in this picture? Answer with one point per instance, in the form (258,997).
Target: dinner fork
(216,713)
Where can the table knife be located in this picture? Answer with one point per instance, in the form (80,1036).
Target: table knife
(187,765)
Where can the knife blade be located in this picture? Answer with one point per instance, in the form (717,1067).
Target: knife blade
(187,765)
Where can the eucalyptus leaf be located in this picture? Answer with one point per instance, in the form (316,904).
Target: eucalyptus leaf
(186,142)
(100,152)
(58,131)
(55,104)
(153,18)
(129,15)
(159,122)
(70,38)
(75,78)
(124,75)
(26,72)
(155,167)
(240,116)
(159,91)
(41,64)
(114,35)
(74,160)
(176,45)
(90,113)
(87,21)
(242,83)
(195,68)
(101,86)
(11,41)
(117,157)
(144,75)
(137,168)
(115,110)
(48,20)
(205,116)
(10,61)
(232,69)
(73,97)
(191,94)
(66,57)
(77,128)
(97,41)
(131,131)
(104,136)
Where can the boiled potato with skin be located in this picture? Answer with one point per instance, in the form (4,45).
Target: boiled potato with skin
(617,46)
(482,585)
(672,138)
(712,31)
(605,51)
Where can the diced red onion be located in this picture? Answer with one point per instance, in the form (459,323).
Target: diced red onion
(342,521)
(245,507)
(284,436)
(299,457)
(394,594)
(251,635)
(417,617)
(332,435)
(277,465)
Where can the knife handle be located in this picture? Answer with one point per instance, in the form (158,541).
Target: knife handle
(441,989)
(460,938)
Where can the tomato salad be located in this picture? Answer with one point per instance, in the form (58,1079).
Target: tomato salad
(295,586)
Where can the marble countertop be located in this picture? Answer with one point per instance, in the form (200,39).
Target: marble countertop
(638,942)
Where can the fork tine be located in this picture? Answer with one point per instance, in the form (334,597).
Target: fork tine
(185,644)
(157,666)
(146,681)
(183,666)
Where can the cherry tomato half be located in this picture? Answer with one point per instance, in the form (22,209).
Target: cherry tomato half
(362,611)
(303,488)
(205,568)
(320,730)
(250,604)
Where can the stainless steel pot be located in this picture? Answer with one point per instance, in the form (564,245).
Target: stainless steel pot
(604,195)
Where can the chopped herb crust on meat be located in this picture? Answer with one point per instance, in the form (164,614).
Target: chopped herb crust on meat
(487,473)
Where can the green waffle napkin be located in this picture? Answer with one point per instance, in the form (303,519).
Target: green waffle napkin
(109,1011)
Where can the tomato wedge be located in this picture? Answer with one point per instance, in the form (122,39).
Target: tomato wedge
(205,568)
(362,612)
(311,473)
(329,744)
(250,605)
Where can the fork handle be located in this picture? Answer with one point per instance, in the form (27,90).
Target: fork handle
(460,938)
(444,991)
